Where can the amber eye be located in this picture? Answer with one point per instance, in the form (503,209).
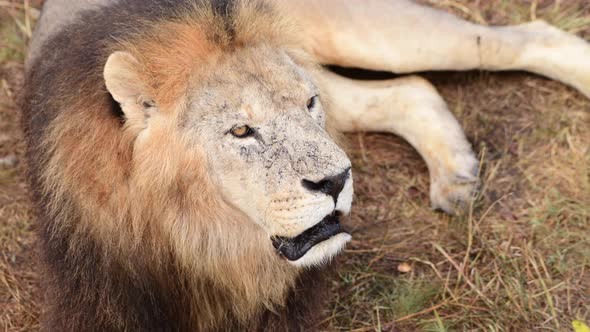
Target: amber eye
(242,131)
(312,102)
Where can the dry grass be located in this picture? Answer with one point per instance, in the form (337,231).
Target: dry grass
(519,261)
(18,277)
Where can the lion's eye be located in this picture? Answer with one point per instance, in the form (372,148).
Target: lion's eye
(242,131)
(312,102)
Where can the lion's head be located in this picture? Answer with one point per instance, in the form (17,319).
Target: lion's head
(257,117)
(182,166)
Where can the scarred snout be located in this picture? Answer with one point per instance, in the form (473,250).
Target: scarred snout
(323,239)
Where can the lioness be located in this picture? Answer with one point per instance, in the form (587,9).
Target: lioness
(182,154)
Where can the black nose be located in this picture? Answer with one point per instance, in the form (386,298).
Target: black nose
(331,185)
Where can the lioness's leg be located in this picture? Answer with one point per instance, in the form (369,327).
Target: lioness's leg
(412,108)
(402,36)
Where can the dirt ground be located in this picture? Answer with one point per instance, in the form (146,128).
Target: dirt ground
(519,261)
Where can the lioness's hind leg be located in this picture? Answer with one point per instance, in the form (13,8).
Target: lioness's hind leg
(402,36)
(412,108)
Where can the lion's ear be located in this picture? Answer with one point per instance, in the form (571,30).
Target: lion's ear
(123,79)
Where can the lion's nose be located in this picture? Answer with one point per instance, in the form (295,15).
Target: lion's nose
(331,185)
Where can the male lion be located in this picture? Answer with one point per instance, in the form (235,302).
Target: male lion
(180,158)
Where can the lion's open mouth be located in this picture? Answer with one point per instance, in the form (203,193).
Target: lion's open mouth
(296,247)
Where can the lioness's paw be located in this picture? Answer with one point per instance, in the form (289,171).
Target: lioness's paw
(453,190)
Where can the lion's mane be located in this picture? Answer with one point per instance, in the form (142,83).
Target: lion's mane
(143,242)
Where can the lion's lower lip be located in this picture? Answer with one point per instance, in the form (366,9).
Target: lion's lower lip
(294,248)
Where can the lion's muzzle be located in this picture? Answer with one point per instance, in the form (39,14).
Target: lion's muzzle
(318,241)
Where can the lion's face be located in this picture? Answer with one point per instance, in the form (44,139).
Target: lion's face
(260,120)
